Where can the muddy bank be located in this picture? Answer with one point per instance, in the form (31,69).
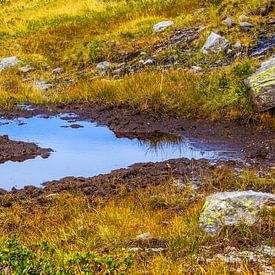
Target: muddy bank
(250,140)
(177,172)
(19,151)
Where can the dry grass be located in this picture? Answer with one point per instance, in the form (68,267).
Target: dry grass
(71,224)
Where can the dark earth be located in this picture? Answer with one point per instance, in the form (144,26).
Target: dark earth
(255,144)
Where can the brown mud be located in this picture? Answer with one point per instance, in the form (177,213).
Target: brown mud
(19,151)
(255,144)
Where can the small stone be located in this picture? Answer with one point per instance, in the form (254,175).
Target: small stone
(27,79)
(162,26)
(228,21)
(103,65)
(246,25)
(9,62)
(149,61)
(57,71)
(243,17)
(200,10)
(26,69)
(144,236)
(237,45)
(142,53)
(43,85)
(215,43)
(196,69)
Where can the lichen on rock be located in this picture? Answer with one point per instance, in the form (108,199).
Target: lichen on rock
(262,86)
(232,208)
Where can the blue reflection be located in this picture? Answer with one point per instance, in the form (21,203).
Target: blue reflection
(86,151)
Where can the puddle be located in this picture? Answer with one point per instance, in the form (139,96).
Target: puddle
(82,148)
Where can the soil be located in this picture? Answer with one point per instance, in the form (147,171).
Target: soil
(20,151)
(255,146)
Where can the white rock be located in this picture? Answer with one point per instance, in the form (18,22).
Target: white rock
(26,69)
(215,43)
(43,85)
(243,17)
(144,236)
(228,21)
(246,25)
(162,26)
(237,45)
(57,71)
(232,208)
(196,69)
(9,62)
(103,65)
(149,61)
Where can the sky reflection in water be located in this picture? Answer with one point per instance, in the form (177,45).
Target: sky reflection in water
(86,151)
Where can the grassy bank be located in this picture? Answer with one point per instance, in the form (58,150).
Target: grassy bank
(78,36)
(69,234)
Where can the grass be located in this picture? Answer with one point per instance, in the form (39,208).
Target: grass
(77,36)
(70,234)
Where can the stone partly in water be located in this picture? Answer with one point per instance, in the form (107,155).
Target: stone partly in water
(162,26)
(262,86)
(9,62)
(232,208)
(215,43)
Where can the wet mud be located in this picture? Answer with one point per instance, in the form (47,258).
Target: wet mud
(19,151)
(255,144)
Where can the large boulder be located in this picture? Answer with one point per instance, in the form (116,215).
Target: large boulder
(9,62)
(162,26)
(215,43)
(262,86)
(232,208)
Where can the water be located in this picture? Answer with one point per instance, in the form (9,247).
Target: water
(86,151)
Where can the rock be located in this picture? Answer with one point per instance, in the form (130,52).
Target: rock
(144,236)
(9,62)
(27,79)
(43,85)
(228,21)
(243,17)
(264,45)
(103,65)
(215,43)
(237,45)
(200,10)
(196,69)
(162,26)
(246,25)
(142,53)
(149,61)
(26,69)
(262,86)
(232,208)
(57,71)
